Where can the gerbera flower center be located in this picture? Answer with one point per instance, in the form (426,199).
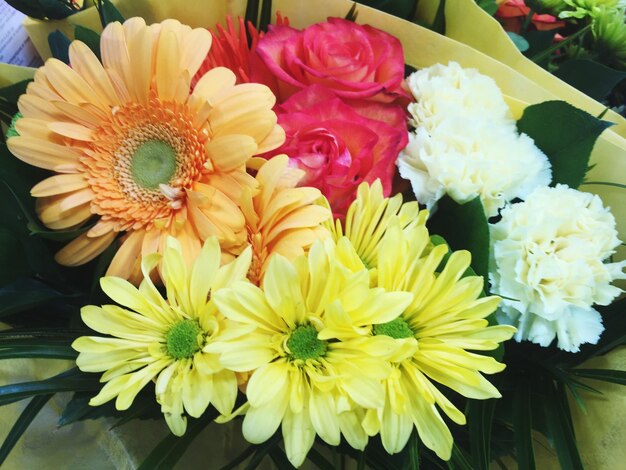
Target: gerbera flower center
(184,339)
(304,344)
(144,158)
(153,164)
(397,329)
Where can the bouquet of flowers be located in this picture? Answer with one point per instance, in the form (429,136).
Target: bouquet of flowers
(299,221)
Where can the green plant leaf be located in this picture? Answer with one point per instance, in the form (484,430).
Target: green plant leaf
(21,424)
(520,41)
(539,41)
(605,375)
(400,8)
(89,37)
(558,420)
(459,460)
(30,8)
(439,23)
(266,15)
(35,349)
(252,12)
(592,78)
(413,454)
(566,135)
(490,6)
(464,227)
(71,380)
(352,14)
(169,451)
(25,294)
(59,46)
(108,13)
(57,9)
(480,421)
(279,458)
(522,426)
(317,459)
(262,451)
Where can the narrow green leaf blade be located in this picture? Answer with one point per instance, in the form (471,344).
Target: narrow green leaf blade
(592,78)
(566,135)
(108,13)
(522,427)
(558,420)
(480,421)
(26,417)
(169,451)
(605,375)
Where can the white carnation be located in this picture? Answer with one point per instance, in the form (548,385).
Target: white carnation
(548,263)
(442,91)
(466,158)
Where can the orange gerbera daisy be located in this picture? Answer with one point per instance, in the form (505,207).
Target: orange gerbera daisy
(281,218)
(135,148)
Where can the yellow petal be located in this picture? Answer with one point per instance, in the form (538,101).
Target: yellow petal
(167,65)
(44,154)
(70,85)
(72,130)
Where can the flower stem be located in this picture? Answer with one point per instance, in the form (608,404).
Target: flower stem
(555,47)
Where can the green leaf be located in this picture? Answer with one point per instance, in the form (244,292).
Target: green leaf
(458,460)
(605,375)
(592,78)
(522,426)
(520,42)
(11,254)
(169,451)
(352,14)
(464,227)
(108,13)
(318,459)
(35,349)
(566,135)
(59,46)
(71,380)
(400,8)
(21,424)
(30,8)
(558,420)
(439,23)
(262,451)
(480,421)
(252,12)
(247,452)
(490,6)
(89,37)
(413,454)
(25,294)
(57,9)
(266,15)
(280,459)
(539,41)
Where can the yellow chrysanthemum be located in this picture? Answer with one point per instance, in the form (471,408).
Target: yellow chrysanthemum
(280,218)
(370,215)
(307,383)
(163,339)
(445,317)
(132,146)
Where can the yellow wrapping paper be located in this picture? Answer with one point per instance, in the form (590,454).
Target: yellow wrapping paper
(475,40)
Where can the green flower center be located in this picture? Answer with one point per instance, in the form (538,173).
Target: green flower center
(153,163)
(303,343)
(397,329)
(184,339)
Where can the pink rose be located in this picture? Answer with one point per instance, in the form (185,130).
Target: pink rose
(340,146)
(356,62)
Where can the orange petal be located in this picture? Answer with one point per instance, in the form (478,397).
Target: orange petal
(44,154)
(77,198)
(139,41)
(115,56)
(85,62)
(83,249)
(231,151)
(167,65)
(73,131)
(59,184)
(70,85)
(129,252)
(54,217)
(35,107)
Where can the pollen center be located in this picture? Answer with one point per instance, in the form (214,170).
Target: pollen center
(304,344)
(154,163)
(184,339)
(397,329)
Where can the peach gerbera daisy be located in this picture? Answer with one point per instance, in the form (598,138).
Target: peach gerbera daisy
(138,153)
(281,218)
